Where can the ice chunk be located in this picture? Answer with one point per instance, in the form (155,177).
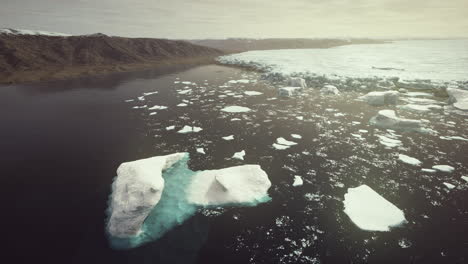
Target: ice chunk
(448,185)
(428,170)
(190,129)
(298,181)
(370,211)
(389,142)
(283,141)
(136,190)
(239,155)
(420,108)
(280,147)
(231,137)
(459,98)
(381,98)
(252,93)
(201,150)
(182,105)
(329,89)
(170,128)
(443,168)
(236,109)
(157,107)
(243,81)
(296,136)
(247,184)
(465,178)
(388,119)
(409,160)
(288,91)
(297,82)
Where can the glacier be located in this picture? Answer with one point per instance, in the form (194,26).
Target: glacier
(151,196)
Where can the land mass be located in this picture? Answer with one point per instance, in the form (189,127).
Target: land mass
(28,58)
(232,45)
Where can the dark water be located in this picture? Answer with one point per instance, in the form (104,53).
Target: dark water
(61,142)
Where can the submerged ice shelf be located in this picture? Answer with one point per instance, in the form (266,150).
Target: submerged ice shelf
(151,196)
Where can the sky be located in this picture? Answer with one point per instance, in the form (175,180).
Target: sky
(196,19)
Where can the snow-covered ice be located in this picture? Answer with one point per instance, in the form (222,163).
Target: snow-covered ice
(239,155)
(236,109)
(296,136)
(370,211)
(189,129)
(297,181)
(136,190)
(465,178)
(409,160)
(283,141)
(31,32)
(247,185)
(443,168)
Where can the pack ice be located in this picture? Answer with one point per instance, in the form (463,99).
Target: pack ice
(370,211)
(151,196)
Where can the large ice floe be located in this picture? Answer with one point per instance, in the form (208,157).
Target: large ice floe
(370,211)
(151,196)
(459,98)
(381,98)
(388,119)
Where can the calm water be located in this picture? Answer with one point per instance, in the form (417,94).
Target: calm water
(61,142)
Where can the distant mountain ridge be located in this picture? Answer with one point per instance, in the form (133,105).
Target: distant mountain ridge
(33,56)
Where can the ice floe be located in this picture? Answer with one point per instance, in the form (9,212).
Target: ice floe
(201,150)
(288,91)
(283,141)
(296,136)
(329,89)
(370,211)
(297,181)
(170,128)
(381,98)
(239,155)
(136,190)
(236,109)
(231,137)
(443,168)
(449,185)
(297,82)
(247,184)
(157,107)
(251,93)
(459,98)
(388,119)
(409,160)
(465,178)
(190,129)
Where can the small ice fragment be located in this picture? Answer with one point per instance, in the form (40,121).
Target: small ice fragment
(448,185)
(465,178)
(231,137)
(236,109)
(182,105)
(296,136)
(157,107)
(298,181)
(189,129)
(283,141)
(443,168)
(170,128)
(152,113)
(201,151)
(409,160)
(239,155)
(280,147)
(251,93)
(428,170)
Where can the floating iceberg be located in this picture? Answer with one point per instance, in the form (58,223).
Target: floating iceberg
(236,109)
(247,184)
(409,160)
(288,91)
(459,98)
(190,129)
(381,98)
(239,155)
(388,119)
(297,181)
(136,190)
(443,168)
(449,185)
(370,211)
(329,90)
(151,196)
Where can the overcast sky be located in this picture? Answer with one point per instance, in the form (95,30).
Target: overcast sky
(241,18)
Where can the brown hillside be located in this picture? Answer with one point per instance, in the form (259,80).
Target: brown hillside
(36,57)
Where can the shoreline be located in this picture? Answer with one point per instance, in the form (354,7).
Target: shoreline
(72,72)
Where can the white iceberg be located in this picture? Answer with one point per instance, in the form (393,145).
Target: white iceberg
(443,168)
(201,150)
(329,90)
(136,190)
(239,155)
(251,93)
(190,129)
(465,178)
(247,184)
(297,82)
(288,91)
(170,128)
(297,181)
(388,119)
(409,160)
(381,98)
(236,109)
(370,211)
(459,98)
(231,137)
(296,136)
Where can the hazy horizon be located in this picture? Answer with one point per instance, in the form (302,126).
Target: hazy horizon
(184,19)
